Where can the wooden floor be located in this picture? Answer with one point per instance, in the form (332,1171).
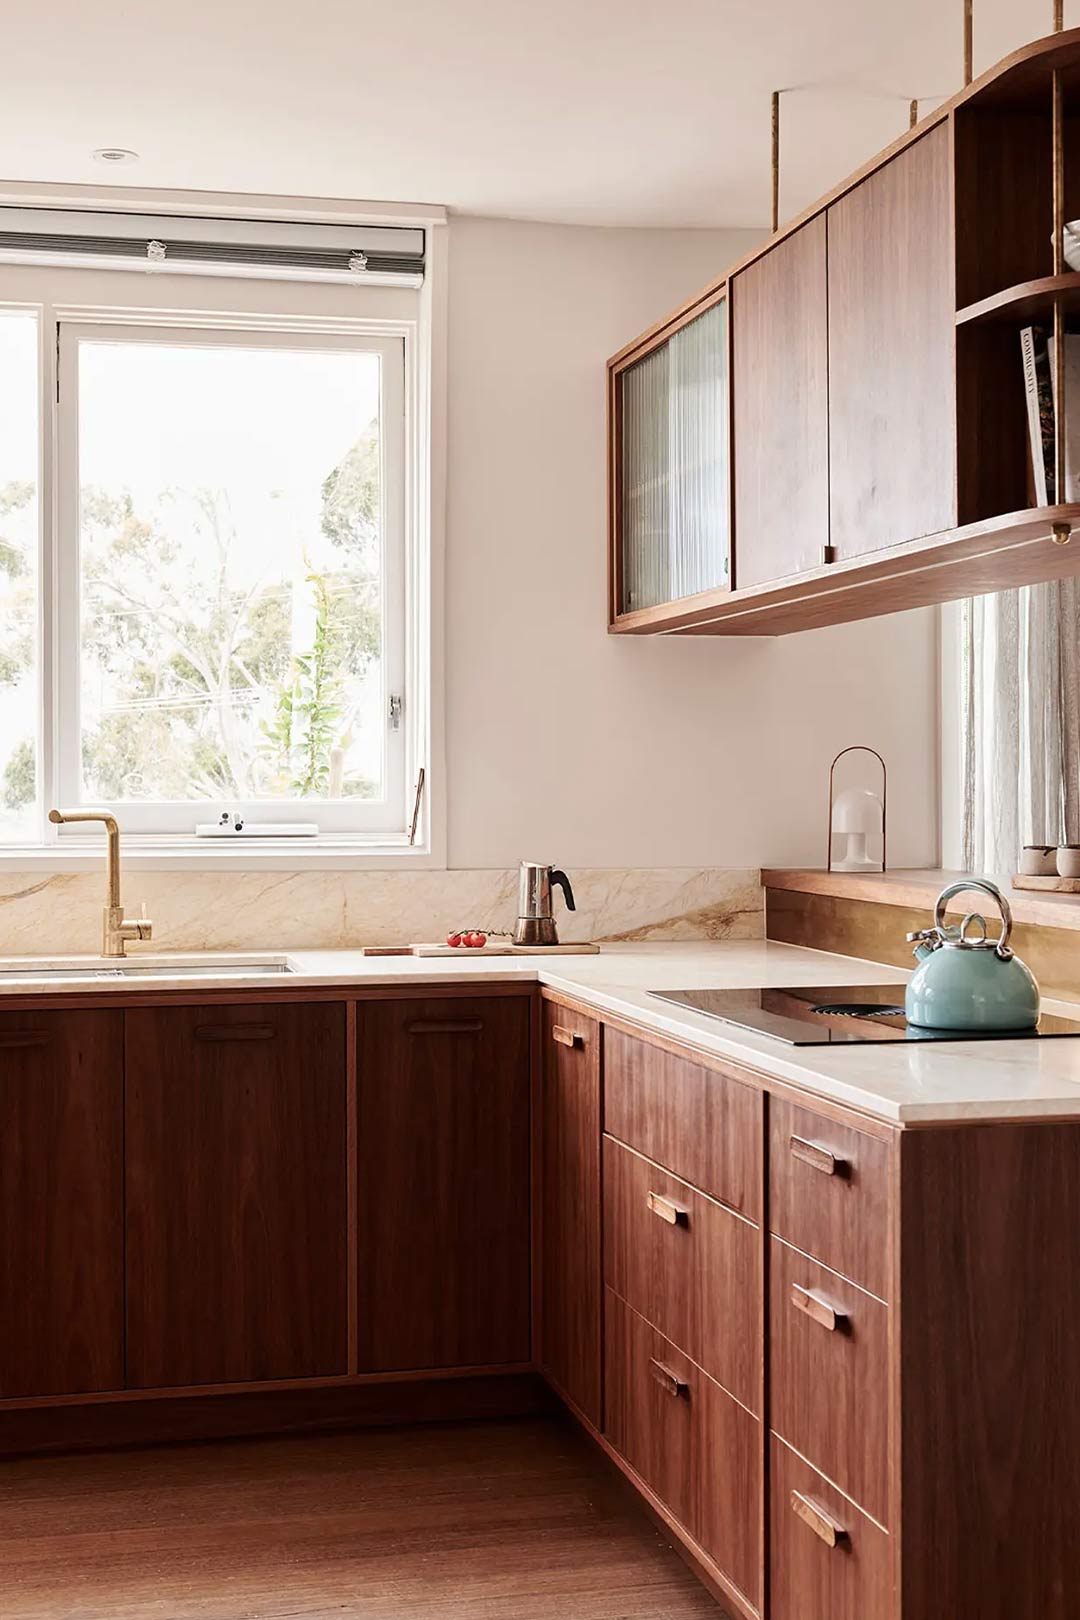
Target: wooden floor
(496,1521)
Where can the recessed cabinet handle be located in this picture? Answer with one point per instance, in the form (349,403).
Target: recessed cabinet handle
(817,1157)
(25,1037)
(669,1382)
(445,1026)
(566,1037)
(830,1530)
(817,1309)
(234,1032)
(668,1211)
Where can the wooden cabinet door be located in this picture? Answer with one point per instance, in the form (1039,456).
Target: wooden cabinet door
(892,374)
(61,1203)
(780,395)
(443,1182)
(236,1201)
(570,1299)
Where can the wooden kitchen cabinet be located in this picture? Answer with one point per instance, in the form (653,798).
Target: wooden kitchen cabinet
(61,1203)
(443,1181)
(570,1206)
(892,384)
(236,1141)
(874,385)
(780,402)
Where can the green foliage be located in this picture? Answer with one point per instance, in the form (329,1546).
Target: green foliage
(200,662)
(351,500)
(203,693)
(18,787)
(20,602)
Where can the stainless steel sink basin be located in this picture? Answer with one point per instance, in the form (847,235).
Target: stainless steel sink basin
(53,970)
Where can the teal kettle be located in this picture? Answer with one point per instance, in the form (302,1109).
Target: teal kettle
(966,980)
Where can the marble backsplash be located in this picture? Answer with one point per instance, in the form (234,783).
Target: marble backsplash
(61,912)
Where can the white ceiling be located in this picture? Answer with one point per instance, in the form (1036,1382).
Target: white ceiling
(612,112)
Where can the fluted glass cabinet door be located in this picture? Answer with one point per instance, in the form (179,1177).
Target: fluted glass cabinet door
(672,459)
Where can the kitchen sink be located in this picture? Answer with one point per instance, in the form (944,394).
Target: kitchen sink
(25,970)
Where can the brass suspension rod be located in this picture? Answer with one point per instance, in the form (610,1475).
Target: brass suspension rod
(776,160)
(969,28)
(1061,532)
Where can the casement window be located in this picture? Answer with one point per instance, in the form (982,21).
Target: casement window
(212,561)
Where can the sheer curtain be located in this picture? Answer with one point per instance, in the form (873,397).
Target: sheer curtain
(675,465)
(1020,654)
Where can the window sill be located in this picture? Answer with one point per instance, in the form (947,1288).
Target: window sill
(240,855)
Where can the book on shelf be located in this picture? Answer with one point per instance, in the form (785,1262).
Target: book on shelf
(1040,392)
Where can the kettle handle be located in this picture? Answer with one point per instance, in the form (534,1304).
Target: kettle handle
(560,878)
(983,886)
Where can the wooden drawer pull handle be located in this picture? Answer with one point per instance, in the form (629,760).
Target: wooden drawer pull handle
(817,1309)
(673,1213)
(566,1037)
(234,1032)
(445,1026)
(831,1532)
(25,1037)
(669,1382)
(817,1157)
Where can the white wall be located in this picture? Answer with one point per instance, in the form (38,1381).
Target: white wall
(563,742)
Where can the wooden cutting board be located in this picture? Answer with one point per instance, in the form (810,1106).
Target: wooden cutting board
(1047,885)
(503,948)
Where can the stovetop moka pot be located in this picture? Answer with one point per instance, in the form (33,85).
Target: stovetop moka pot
(536,922)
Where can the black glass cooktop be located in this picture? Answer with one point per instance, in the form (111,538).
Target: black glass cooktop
(832,1014)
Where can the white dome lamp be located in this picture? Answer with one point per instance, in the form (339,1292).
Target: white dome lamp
(858,815)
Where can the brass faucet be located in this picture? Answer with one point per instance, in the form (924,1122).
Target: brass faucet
(116,928)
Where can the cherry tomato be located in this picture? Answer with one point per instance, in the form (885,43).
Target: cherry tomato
(453,939)
(475,939)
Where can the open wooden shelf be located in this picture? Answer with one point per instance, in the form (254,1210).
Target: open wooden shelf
(993,555)
(1027,302)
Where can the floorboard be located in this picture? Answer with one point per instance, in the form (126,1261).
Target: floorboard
(516,1520)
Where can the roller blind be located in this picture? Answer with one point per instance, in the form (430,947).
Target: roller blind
(278,249)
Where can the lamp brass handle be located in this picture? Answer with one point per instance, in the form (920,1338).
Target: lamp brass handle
(817,1309)
(822,1523)
(816,1156)
(669,1381)
(566,1037)
(668,1211)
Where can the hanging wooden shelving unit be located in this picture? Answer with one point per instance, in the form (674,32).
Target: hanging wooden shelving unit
(872,448)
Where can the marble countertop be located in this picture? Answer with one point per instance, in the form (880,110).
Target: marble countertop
(906,1083)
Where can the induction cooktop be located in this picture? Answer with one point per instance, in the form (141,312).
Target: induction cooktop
(833,1014)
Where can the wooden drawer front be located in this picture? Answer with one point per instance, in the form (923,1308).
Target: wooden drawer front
(828,1193)
(687,1264)
(827,1561)
(829,1375)
(695,1447)
(697,1122)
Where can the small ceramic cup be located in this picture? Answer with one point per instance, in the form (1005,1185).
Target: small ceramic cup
(1038,860)
(1068,860)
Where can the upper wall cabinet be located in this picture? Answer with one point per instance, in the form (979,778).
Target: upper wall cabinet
(780,377)
(838,427)
(892,384)
(670,460)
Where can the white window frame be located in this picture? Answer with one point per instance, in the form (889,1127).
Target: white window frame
(55,296)
(387,817)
